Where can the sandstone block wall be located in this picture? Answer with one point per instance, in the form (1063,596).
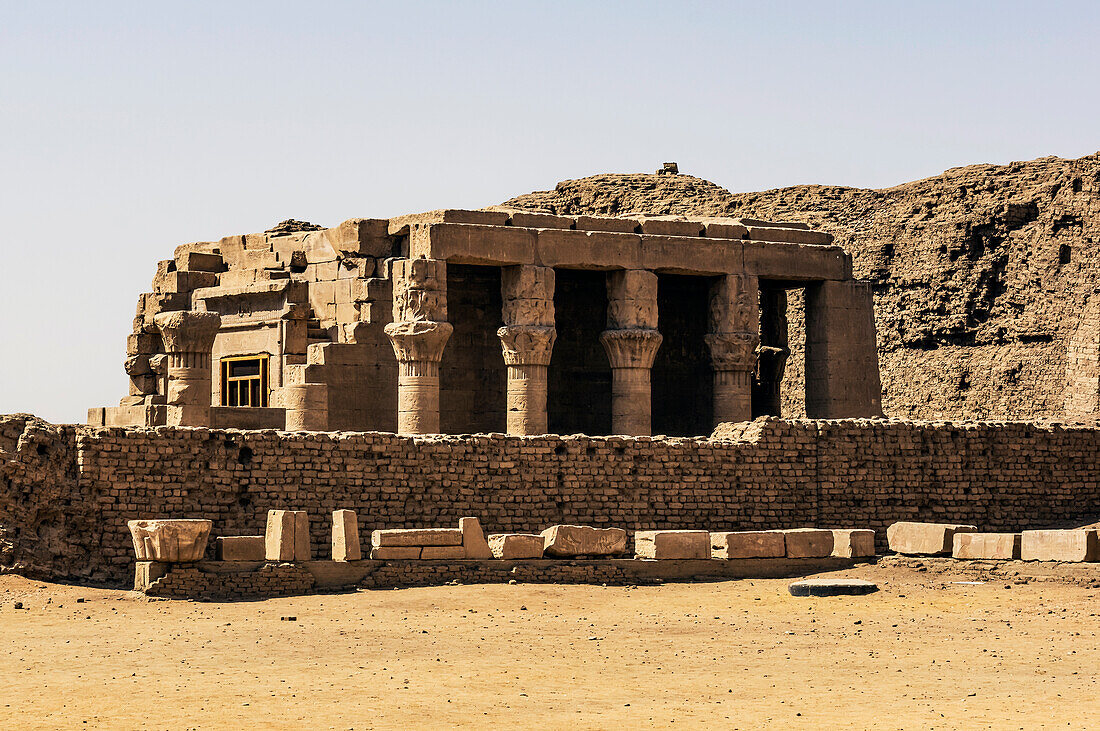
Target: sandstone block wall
(67,492)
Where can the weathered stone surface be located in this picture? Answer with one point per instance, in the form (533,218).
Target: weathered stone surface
(170,541)
(992,546)
(516,546)
(473,539)
(853,542)
(302,548)
(345,536)
(1060,545)
(279,536)
(442,552)
(808,542)
(416,537)
(382,553)
(748,544)
(929,539)
(831,587)
(240,548)
(672,544)
(583,540)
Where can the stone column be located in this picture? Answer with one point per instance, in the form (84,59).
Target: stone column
(306,406)
(188,340)
(527,340)
(631,341)
(418,333)
(733,337)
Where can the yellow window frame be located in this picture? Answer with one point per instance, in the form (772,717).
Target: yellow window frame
(245,389)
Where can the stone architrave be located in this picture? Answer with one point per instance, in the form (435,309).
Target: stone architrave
(418,333)
(188,341)
(583,540)
(808,542)
(748,544)
(170,541)
(527,340)
(853,542)
(631,341)
(516,546)
(733,338)
(988,546)
(345,536)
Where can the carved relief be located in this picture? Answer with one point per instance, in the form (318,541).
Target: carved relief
(419,290)
(735,304)
(631,300)
(733,351)
(419,341)
(528,295)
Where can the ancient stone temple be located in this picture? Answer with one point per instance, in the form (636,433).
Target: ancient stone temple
(497,321)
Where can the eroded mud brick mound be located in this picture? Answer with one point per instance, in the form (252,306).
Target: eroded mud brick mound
(983,277)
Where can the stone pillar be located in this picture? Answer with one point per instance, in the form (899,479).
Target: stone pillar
(527,340)
(188,340)
(631,341)
(418,333)
(734,334)
(306,406)
(842,376)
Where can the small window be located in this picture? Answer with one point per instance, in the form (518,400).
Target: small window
(244,381)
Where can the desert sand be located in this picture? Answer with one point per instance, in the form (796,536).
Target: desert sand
(924,652)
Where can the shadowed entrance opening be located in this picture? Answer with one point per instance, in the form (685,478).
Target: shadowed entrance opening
(579,387)
(682,377)
(473,380)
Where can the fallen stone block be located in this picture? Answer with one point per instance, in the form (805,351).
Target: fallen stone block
(853,542)
(302,548)
(442,552)
(808,542)
(240,548)
(516,546)
(672,544)
(748,544)
(279,536)
(170,541)
(385,553)
(583,540)
(991,546)
(831,587)
(1060,545)
(473,539)
(928,539)
(416,537)
(345,536)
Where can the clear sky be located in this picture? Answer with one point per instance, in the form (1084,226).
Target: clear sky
(129,128)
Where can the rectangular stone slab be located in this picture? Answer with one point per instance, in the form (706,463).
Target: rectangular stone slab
(991,546)
(395,553)
(748,544)
(516,546)
(302,549)
(808,542)
(345,536)
(416,537)
(279,537)
(583,540)
(473,539)
(924,539)
(672,544)
(240,548)
(853,542)
(1060,545)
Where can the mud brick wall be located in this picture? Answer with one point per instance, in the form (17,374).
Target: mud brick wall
(67,492)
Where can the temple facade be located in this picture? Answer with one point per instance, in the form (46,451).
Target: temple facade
(460,321)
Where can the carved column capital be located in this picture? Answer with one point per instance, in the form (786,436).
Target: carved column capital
(527,344)
(187,331)
(631,300)
(631,348)
(733,351)
(419,341)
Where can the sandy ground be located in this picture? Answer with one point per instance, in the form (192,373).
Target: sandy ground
(922,653)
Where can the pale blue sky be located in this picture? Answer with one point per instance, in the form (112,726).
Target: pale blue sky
(129,128)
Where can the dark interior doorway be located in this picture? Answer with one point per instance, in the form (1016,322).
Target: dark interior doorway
(473,380)
(579,397)
(683,379)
